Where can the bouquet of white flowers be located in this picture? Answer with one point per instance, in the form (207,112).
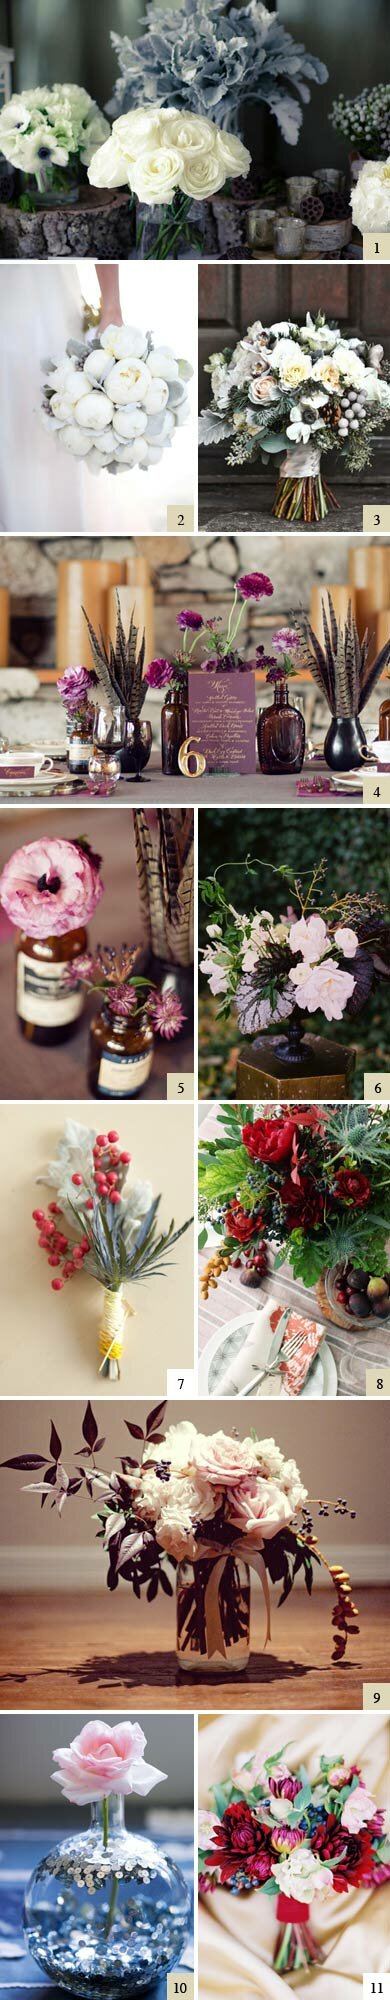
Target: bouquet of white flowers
(49,132)
(116,400)
(168,159)
(370,199)
(298,390)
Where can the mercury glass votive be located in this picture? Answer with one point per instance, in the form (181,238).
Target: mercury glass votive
(260,226)
(289,237)
(299,188)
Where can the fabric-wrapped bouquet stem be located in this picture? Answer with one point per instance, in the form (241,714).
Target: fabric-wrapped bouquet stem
(296,1945)
(301,493)
(111,1331)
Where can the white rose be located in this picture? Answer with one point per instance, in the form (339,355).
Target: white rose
(326,371)
(235,156)
(94,411)
(136,130)
(129,423)
(268,1457)
(203,174)
(156,397)
(177,1445)
(128,381)
(75,441)
(157,173)
(351,368)
(186,130)
(163,362)
(97,366)
(107,169)
(121,340)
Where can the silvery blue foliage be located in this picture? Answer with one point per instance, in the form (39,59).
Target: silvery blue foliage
(209,59)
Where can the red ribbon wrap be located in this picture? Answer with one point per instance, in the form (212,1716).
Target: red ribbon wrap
(288,1911)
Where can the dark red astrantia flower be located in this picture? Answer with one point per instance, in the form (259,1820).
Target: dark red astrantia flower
(332,1841)
(241,1842)
(352,1186)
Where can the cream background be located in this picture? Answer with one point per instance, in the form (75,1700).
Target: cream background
(49,1341)
(237,1933)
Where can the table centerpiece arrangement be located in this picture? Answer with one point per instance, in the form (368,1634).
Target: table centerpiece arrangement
(132,1010)
(322,957)
(120,737)
(298,392)
(210,1508)
(307,1187)
(273,1828)
(98,1223)
(346,673)
(168,159)
(50,135)
(185,693)
(49,889)
(106,1910)
(115,399)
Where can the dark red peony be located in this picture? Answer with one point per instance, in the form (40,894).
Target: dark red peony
(240,1225)
(352,1186)
(240,1842)
(269,1139)
(332,1841)
(303,1202)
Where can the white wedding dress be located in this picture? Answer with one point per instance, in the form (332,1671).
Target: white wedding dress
(43,489)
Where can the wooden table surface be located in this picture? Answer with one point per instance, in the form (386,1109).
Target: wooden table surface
(77,1650)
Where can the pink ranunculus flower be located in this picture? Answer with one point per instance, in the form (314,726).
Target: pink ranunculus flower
(101,1761)
(223,1461)
(324,986)
(259,1509)
(310,936)
(346,941)
(358,1809)
(51,886)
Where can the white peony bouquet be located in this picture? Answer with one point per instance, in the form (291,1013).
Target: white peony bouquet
(169,158)
(47,132)
(370,199)
(298,390)
(116,400)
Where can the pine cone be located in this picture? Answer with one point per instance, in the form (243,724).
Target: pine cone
(311,209)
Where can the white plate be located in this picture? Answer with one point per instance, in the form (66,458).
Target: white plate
(44,783)
(227,1342)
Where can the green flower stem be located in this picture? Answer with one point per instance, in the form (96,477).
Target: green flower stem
(114,1883)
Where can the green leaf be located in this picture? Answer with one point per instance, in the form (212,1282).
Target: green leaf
(223,1175)
(202,1239)
(307,1257)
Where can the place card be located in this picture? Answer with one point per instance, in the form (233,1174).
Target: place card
(377,1085)
(378,1380)
(180,1086)
(180,518)
(376,517)
(376,247)
(376,1694)
(222,716)
(376,788)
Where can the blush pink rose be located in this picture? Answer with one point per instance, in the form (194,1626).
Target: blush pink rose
(358,1809)
(102,1760)
(50,886)
(259,1509)
(223,1461)
(324,986)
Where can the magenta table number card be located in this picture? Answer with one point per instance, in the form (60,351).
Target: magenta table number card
(222,713)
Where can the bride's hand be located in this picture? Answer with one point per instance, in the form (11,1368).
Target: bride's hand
(108,279)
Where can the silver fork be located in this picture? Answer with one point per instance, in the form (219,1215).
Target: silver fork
(294,1344)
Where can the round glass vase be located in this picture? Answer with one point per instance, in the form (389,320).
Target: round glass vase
(106,1912)
(120,1053)
(280,735)
(47,1008)
(174,731)
(213,1597)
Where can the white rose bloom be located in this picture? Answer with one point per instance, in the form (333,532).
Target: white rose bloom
(269,1458)
(163,363)
(203,174)
(76,441)
(177,1446)
(235,156)
(186,130)
(350,366)
(156,397)
(137,129)
(97,366)
(290,363)
(94,411)
(129,423)
(324,337)
(370,199)
(157,173)
(107,169)
(128,381)
(118,341)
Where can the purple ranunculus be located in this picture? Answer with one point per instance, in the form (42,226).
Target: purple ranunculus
(189,621)
(74,687)
(159,673)
(255,586)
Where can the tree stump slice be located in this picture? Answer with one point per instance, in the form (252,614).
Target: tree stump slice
(92,227)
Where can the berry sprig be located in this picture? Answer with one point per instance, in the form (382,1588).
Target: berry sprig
(103,1184)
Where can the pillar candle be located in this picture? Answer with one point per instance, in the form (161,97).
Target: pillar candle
(82,584)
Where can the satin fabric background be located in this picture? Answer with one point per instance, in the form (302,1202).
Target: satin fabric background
(237,1933)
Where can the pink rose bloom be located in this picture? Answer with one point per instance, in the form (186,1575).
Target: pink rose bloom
(102,1760)
(324,986)
(347,942)
(358,1809)
(50,886)
(309,936)
(223,1461)
(248,1772)
(259,1509)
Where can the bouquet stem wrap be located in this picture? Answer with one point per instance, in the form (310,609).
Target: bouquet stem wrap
(112,1325)
(214,1631)
(301,493)
(296,1945)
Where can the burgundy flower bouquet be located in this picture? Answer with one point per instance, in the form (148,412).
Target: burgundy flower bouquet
(295,1839)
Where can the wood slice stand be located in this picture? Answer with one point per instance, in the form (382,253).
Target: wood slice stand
(95,226)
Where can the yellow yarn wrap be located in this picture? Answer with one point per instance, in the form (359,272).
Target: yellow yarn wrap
(112,1324)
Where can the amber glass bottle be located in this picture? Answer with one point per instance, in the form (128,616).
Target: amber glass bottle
(47,1008)
(120,1054)
(174,730)
(80,741)
(280,735)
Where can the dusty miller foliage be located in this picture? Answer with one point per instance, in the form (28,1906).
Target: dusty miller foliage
(211,59)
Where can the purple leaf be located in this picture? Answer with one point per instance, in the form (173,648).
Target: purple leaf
(155,1417)
(157,1437)
(129,1464)
(74,1486)
(55,1444)
(89,1427)
(135,1430)
(49,1477)
(27,1463)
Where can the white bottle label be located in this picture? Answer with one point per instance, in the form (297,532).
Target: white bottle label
(79,754)
(122,1076)
(42,995)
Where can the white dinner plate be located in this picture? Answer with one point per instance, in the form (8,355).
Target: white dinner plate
(227,1342)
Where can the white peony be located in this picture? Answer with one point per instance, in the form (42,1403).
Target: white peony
(131,409)
(122,340)
(97,366)
(79,443)
(156,396)
(129,423)
(128,380)
(94,411)
(163,363)
(302,1875)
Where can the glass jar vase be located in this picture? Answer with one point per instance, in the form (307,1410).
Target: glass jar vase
(174,731)
(213,1615)
(120,1054)
(106,1912)
(47,1007)
(280,735)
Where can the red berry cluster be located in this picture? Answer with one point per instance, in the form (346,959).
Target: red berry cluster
(108,1173)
